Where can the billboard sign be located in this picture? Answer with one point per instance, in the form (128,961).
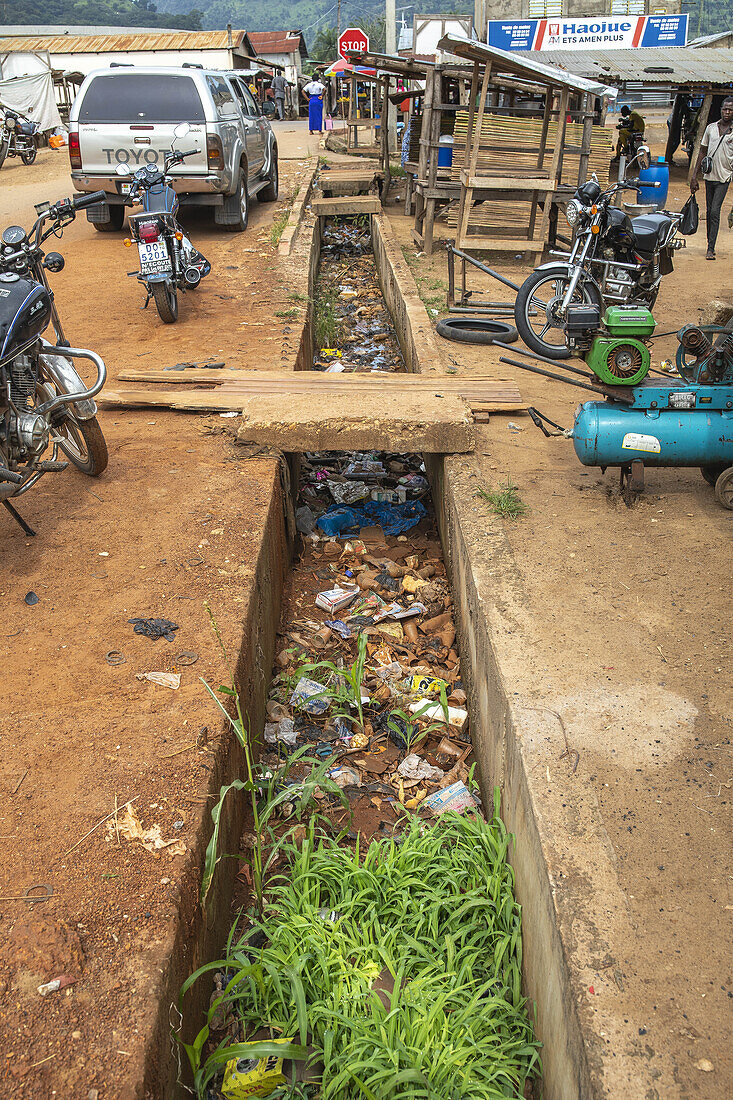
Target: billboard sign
(592,33)
(353,39)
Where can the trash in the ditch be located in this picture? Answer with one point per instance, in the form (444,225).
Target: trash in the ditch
(155,628)
(339,628)
(163,679)
(309,696)
(427,685)
(347,492)
(393,519)
(414,767)
(246,1077)
(283,731)
(129,826)
(345,776)
(305,520)
(457,798)
(428,708)
(335,599)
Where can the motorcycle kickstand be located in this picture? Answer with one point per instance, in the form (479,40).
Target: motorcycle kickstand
(19,519)
(148,300)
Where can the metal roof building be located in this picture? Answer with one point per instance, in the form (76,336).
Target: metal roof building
(675,68)
(84,52)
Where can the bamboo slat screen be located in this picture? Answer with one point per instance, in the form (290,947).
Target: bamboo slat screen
(509,146)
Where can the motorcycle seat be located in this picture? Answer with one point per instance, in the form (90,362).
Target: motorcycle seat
(649,231)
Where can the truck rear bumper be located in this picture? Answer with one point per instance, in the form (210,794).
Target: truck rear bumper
(193,190)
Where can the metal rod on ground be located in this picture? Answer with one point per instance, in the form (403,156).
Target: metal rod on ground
(626,398)
(483,267)
(540,358)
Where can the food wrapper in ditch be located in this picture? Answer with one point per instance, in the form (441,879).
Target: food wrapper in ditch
(456,798)
(245,1077)
(335,599)
(310,696)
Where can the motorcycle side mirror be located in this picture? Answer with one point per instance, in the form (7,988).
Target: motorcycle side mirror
(181,130)
(644,156)
(122,170)
(42,207)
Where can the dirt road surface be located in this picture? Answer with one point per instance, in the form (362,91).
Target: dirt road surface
(625,629)
(174,522)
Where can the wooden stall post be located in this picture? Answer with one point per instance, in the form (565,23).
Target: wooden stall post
(701,125)
(469,170)
(587,138)
(435,119)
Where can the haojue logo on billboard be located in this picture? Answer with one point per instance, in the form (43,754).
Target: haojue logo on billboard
(585,34)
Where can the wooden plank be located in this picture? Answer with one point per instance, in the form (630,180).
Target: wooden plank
(354,204)
(508,183)
(307,380)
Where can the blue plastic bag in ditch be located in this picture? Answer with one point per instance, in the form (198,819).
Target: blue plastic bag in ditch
(392,518)
(339,519)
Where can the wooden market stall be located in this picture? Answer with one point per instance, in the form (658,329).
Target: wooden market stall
(523,139)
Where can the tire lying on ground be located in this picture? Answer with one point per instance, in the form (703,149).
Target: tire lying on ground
(476,330)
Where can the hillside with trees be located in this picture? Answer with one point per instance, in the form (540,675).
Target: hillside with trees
(103,13)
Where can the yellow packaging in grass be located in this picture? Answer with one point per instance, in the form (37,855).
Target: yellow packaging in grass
(245,1077)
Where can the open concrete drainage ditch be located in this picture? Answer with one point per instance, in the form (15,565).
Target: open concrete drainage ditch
(382,663)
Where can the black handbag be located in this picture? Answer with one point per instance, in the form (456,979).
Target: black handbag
(690,217)
(706,164)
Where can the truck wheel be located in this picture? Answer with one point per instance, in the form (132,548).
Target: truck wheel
(270,193)
(235,211)
(116,219)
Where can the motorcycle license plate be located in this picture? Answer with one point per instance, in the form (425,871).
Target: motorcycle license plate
(154,258)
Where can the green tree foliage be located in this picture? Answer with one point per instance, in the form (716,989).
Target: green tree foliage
(708,16)
(106,13)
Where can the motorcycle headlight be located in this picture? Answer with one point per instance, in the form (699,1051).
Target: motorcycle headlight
(11,123)
(573,212)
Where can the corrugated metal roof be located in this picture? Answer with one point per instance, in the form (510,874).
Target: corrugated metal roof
(277,41)
(527,64)
(122,43)
(650,65)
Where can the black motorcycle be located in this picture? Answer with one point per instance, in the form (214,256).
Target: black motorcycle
(43,401)
(614,259)
(168,260)
(18,137)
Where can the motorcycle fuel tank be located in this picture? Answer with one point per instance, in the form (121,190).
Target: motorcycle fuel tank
(25,310)
(609,434)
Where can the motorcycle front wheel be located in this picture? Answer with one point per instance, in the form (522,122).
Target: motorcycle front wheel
(83,444)
(29,155)
(536,310)
(166,302)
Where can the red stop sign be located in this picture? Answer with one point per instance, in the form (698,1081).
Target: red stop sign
(353,39)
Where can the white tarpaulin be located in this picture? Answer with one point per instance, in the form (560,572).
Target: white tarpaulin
(33,97)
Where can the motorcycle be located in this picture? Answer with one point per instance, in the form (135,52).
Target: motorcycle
(168,260)
(43,400)
(614,260)
(18,137)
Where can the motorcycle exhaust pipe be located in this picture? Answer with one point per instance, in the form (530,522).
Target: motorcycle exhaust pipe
(192,275)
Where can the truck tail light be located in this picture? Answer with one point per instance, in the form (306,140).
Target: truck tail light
(74,150)
(214,151)
(148,232)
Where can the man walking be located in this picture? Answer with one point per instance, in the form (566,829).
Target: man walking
(716,162)
(280,88)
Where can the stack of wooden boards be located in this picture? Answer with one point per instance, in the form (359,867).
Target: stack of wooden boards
(212,390)
(309,410)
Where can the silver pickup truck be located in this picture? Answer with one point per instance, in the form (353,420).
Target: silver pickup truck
(127,115)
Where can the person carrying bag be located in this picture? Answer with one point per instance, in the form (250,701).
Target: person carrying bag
(715,161)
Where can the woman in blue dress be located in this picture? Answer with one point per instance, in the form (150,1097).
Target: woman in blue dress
(315,91)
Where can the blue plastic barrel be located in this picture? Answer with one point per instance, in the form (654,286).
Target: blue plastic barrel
(445,151)
(658,171)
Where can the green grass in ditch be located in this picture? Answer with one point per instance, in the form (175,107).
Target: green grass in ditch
(394,972)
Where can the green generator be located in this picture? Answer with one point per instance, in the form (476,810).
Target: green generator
(615,350)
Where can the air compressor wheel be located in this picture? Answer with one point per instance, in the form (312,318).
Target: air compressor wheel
(624,361)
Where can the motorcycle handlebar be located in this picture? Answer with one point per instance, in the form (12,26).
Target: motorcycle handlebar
(89,200)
